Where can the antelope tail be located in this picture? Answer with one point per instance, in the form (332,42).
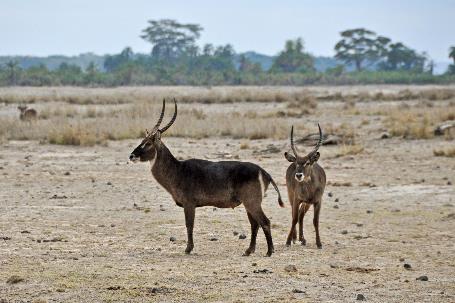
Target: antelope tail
(280,201)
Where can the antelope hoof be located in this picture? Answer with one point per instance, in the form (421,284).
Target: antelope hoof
(188,249)
(269,253)
(248,252)
(319,245)
(303,241)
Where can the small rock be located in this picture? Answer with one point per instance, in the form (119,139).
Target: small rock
(359,224)
(112,225)
(5,238)
(172,239)
(214,209)
(298,291)
(401,259)
(344,232)
(369,211)
(25,232)
(290,268)
(360,297)
(242,236)
(156,290)
(337,200)
(262,271)
(422,278)
(254,264)
(14,279)
(213,239)
(449,183)
(385,136)
(109,183)
(162,208)
(114,287)
(422,180)
(67,173)
(407,266)
(330,194)
(336,207)
(235,233)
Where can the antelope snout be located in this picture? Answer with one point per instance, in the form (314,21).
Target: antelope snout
(299,176)
(133,158)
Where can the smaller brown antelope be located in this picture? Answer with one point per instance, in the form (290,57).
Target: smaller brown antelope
(305,180)
(27,114)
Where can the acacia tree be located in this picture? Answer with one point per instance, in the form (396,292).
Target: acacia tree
(400,57)
(359,46)
(171,39)
(293,58)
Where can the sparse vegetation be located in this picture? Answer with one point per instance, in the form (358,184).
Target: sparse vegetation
(445,152)
(349,150)
(417,122)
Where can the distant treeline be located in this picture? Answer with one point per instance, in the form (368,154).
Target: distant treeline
(362,57)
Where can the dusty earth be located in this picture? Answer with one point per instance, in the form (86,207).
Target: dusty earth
(81,224)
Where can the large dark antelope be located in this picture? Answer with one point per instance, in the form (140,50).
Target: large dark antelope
(305,180)
(195,183)
(27,114)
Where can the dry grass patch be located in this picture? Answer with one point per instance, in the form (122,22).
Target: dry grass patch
(445,152)
(417,122)
(433,94)
(349,150)
(85,125)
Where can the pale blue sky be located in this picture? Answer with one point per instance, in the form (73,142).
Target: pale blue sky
(43,27)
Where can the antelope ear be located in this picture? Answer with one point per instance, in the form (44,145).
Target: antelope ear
(289,157)
(315,158)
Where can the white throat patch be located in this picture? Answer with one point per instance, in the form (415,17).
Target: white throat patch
(152,162)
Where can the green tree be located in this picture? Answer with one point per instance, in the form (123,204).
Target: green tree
(451,69)
(293,59)
(69,74)
(246,66)
(12,70)
(400,57)
(452,53)
(169,38)
(360,45)
(91,73)
(111,63)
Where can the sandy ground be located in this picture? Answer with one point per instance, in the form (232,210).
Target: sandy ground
(81,224)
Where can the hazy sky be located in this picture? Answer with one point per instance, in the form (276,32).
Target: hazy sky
(44,27)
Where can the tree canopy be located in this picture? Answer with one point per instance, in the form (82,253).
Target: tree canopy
(293,59)
(360,45)
(171,39)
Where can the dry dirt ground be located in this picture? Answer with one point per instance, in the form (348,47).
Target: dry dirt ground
(81,224)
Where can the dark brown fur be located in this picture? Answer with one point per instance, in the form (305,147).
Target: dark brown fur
(305,181)
(27,114)
(196,183)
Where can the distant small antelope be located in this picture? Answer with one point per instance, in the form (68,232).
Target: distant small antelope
(195,183)
(305,181)
(27,114)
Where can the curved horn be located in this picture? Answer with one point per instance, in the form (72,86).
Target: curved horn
(172,120)
(292,142)
(319,141)
(156,127)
